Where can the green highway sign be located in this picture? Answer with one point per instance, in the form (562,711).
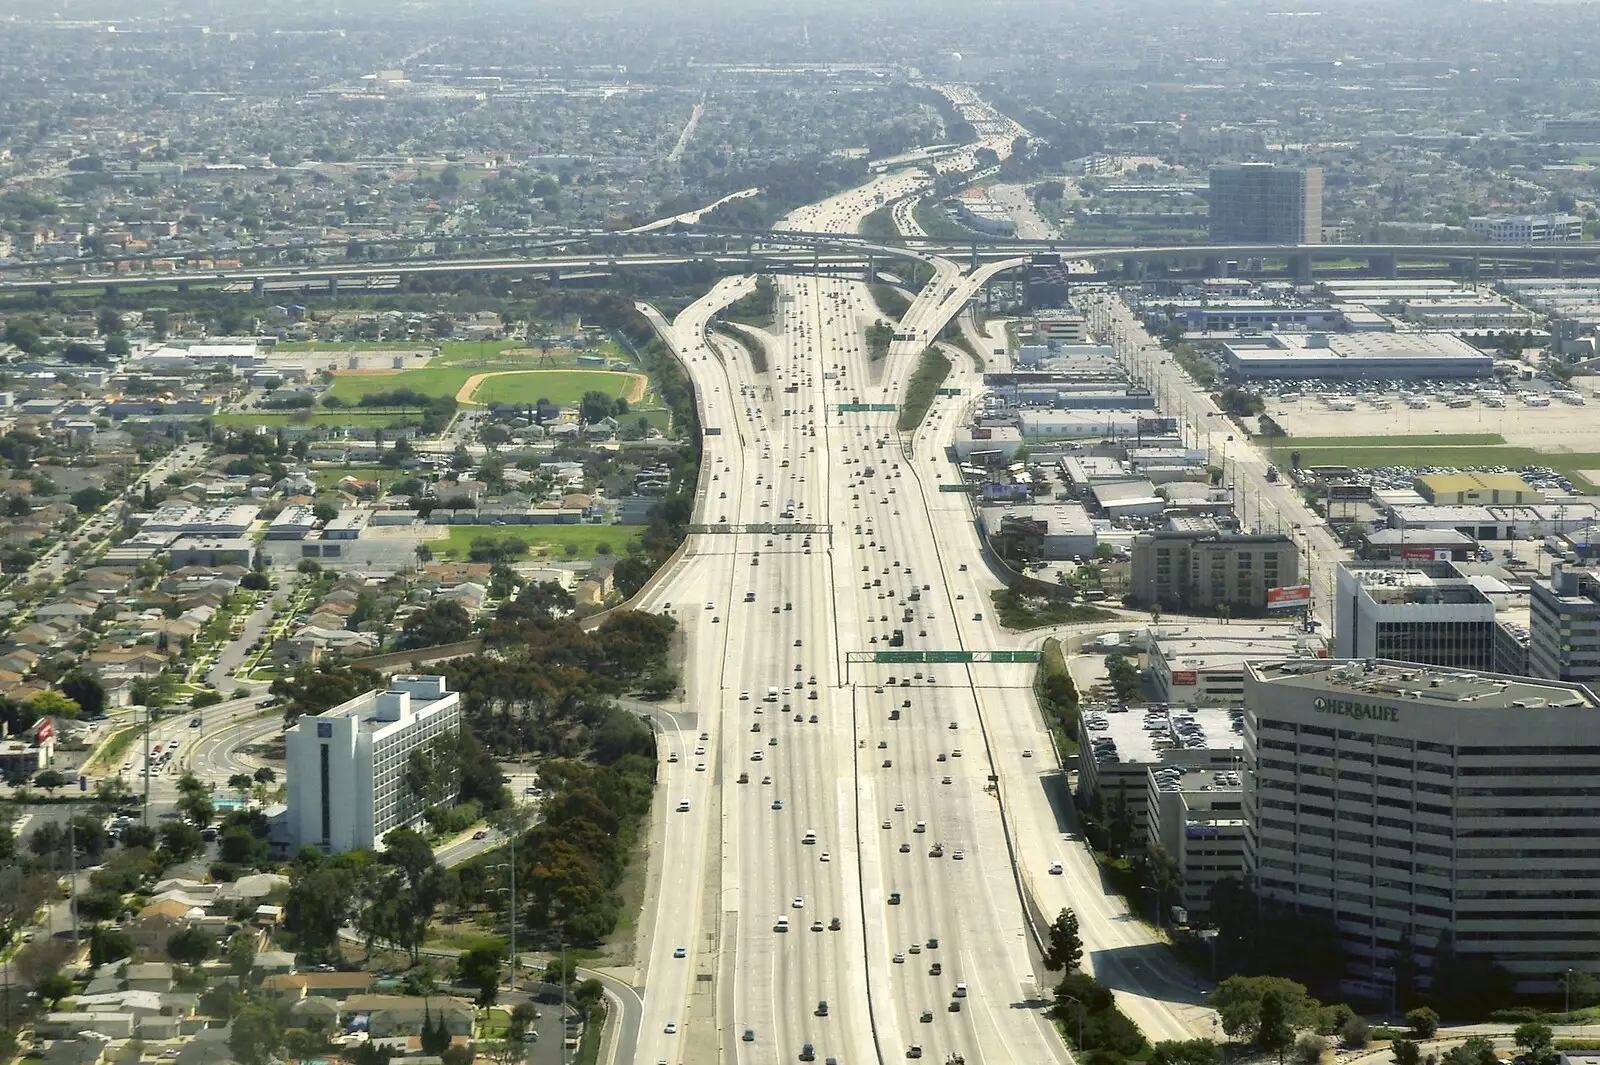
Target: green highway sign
(955,488)
(959,657)
(867,408)
(949,391)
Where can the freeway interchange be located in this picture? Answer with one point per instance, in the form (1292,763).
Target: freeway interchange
(846,854)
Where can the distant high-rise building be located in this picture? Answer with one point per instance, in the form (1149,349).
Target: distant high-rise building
(1565,620)
(1263,203)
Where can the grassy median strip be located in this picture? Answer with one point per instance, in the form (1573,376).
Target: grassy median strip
(113,748)
(931,371)
(891,304)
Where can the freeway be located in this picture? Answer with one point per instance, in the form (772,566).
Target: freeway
(881,923)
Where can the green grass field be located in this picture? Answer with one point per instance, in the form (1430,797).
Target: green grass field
(327,477)
(559,386)
(549,540)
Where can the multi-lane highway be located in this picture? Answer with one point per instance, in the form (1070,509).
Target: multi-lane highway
(830,837)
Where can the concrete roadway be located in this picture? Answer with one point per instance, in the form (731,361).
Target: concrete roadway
(828,775)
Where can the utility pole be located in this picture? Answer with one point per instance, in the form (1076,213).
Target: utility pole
(513,983)
(563,1004)
(147,763)
(72,874)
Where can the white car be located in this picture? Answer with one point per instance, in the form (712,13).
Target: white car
(671,1028)
(799,902)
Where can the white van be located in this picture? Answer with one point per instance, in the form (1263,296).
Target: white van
(961,991)
(1055,868)
(810,837)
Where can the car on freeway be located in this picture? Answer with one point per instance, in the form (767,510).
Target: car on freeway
(680,952)
(482,833)
(671,1028)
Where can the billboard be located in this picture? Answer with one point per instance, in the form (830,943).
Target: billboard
(1289,597)
(1425,554)
(44,728)
(1185,678)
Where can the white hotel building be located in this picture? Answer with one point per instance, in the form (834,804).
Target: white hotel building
(346,766)
(1453,805)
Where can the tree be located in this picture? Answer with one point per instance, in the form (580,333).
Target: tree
(49,780)
(197,807)
(53,988)
(107,945)
(1355,1032)
(1405,1052)
(189,946)
(1238,1000)
(437,623)
(42,959)
(265,775)
(54,704)
(241,782)
(1423,1022)
(479,967)
(324,512)
(86,691)
(435,1036)
(255,1036)
(1186,1052)
(1475,1051)
(98,906)
(181,841)
(1309,1048)
(1274,1032)
(241,954)
(1066,945)
(1582,989)
(1536,1040)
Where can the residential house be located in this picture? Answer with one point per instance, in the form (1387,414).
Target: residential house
(148,976)
(389,1016)
(329,985)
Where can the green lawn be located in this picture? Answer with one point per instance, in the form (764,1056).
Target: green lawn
(559,386)
(551,540)
(327,477)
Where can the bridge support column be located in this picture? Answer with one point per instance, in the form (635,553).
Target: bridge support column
(1561,265)
(1132,269)
(111,291)
(333,286)
(1214,266)
(974,255)
(1474,269)
(258,286)
(1300,267)
(988,295)
(872,269)
(1384,266)
(183,286)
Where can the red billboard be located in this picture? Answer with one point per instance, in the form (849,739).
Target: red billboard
(1185,678)
(1289,597)
(1425,554)
(43,729)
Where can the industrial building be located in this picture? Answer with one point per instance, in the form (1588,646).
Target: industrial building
(1122,745)
(1060,326)
(1263,203)
(1196,815)
(1343,356)
(1527,228)
(1055,531)
(1448,808)
(1482,488)
(221,521)
(1565,626)
(1209,670)
(346,766)
(1425,612)
(1194,566)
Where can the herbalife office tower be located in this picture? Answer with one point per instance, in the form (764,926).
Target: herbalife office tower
(1459,807)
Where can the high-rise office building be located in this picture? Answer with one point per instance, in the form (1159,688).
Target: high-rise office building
(1564,626)
(1426,809)
(1263,203)
(346,767)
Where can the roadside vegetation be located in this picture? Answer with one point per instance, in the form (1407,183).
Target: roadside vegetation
(891,304)
(1019,610)
(932,368)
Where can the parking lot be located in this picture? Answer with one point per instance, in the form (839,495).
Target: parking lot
(1423,409)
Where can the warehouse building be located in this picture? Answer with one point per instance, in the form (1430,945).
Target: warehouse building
(1346,356)
(1196,566)
(1450,808)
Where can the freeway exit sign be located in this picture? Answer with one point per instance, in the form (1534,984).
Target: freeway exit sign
(955,488)
(866,408)
(949,391)
(972,657)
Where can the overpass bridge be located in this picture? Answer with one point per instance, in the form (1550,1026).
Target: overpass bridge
(775,251)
